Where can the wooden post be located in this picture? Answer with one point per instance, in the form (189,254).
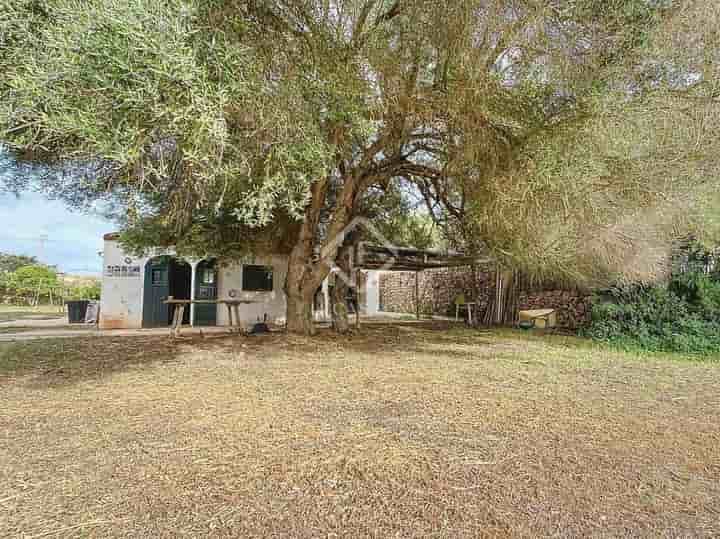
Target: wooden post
(171,306)
(327,315)
(193,289)
(417,294)
(357,298)
(498,296)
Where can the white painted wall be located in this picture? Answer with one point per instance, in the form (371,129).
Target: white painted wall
(122,297)
(372,293)
(271,303)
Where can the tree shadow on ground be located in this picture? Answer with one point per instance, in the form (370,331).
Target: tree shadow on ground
(51,362)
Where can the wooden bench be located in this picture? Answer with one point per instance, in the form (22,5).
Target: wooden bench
(538,318)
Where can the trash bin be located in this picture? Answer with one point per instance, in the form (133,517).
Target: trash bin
(76,311)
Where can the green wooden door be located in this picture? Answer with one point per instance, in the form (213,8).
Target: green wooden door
(206,278)
(157,288)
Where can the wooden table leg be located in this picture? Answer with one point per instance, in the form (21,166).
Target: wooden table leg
(173,327)
(230,315)
(174,321)
(179,314)
(236,308)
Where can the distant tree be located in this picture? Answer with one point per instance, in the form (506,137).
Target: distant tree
(399,218)
(11,262)
(33,281)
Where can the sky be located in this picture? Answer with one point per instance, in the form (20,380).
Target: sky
(73,239)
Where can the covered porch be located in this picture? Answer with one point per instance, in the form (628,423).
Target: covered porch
(368,257)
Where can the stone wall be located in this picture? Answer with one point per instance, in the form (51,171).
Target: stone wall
(439,288)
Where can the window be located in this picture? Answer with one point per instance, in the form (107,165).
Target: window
(257,278)
(208,276)
(159,276)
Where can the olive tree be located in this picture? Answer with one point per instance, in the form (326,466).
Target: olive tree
(225,121)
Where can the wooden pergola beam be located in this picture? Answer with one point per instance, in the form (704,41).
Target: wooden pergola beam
(375,257)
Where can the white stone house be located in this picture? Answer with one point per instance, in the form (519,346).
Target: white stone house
(134,289)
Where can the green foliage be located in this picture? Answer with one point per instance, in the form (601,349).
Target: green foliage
(558,137)
(171,95)
(85,291)
(32,280)
(11,262)
(40,283)
(399,221)
(415,229)
(683,316)
(601,195)
(604,197)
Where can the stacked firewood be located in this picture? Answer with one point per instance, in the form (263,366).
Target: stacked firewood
(440,288)
(573,307)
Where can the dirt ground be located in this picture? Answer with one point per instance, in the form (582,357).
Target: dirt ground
(397,431)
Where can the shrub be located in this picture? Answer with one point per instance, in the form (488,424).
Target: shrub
(89,291)
(37,281)
(683,316)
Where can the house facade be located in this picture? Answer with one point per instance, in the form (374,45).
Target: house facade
(134,289)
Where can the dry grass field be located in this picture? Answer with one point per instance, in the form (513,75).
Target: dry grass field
(403,431)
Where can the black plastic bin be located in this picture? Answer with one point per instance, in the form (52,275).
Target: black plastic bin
(76,311)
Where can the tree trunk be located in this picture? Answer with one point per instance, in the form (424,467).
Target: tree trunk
(338,299)
(305,274)
(300,315)
(300,291)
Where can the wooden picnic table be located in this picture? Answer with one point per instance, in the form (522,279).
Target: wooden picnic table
(233,307)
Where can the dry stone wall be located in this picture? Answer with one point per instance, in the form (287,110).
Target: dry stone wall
(439,288)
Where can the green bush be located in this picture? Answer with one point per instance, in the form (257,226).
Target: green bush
(683,316)
(87,291)
(32,279)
